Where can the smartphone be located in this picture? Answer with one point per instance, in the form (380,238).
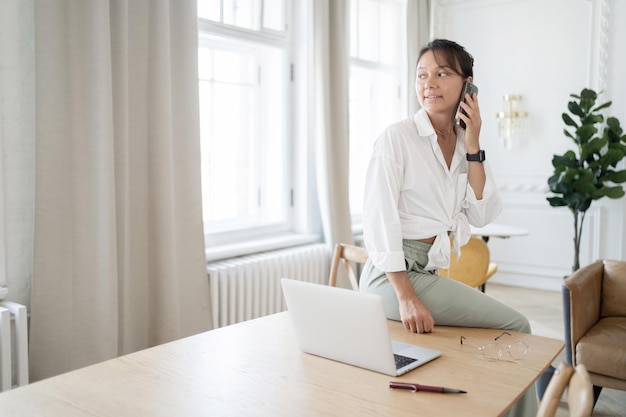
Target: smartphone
(470,89)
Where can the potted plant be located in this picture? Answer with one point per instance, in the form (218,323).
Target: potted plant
(590,171)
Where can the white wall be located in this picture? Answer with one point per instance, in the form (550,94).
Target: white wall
(545,51)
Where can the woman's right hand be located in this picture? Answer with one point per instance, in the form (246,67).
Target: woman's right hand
(414,314)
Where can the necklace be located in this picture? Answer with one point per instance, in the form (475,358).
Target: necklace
(444,134)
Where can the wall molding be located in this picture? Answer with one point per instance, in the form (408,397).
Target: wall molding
(600,43)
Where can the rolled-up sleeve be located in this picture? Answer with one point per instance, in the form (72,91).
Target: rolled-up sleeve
(382,229)
(482,212)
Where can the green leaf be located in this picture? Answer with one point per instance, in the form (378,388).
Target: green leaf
(587,100)
(613,129)
(610,192)
(566,160)
(575,109)
(612,157)
(556,201)
(568,120)
(585,132)
(585,182)
(592,119)
(602,106)
(612,136)
(588,94)
(613,123)
(616,177)
(594,146)
(556,186)
(577,201)
(619,147)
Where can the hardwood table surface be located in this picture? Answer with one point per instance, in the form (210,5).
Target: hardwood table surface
(255,368)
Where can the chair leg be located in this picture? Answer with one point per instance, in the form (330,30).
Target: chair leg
(596,394)
(482,287)
(542,383)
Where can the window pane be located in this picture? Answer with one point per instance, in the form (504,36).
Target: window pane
(243,13)
(274,15)
(368,31)
(374,104)
(209,9)
(376,82)
(389,23)
(242,107)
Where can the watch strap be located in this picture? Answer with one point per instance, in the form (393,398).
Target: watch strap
(476,157)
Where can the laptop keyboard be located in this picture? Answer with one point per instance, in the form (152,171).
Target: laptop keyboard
(402,361)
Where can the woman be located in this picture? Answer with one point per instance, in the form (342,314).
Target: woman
(428,180)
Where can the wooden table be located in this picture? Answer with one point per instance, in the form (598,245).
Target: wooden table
(256,369)
(498,230)
(502,231)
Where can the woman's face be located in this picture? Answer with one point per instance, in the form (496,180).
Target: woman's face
(438,88)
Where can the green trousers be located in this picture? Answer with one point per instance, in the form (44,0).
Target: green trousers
(451,303)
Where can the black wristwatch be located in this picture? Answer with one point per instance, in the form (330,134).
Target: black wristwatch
(476,157)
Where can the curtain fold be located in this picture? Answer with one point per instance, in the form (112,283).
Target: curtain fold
(118,250)
(331,69)
(418,35)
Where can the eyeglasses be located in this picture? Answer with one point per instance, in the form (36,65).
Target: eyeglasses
(492,351)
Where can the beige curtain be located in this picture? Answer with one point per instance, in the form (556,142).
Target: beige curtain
(118,254)
(418,35)
(331,70)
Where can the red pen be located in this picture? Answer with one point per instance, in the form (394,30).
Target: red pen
(417,387)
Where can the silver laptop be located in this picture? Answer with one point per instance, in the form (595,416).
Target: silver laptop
(350,327)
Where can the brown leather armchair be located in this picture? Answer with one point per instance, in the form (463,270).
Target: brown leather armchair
(594,308)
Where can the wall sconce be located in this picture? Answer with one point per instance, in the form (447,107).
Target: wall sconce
(512,121)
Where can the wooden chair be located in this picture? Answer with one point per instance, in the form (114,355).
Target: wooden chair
(579,392)
(347,254)
(474,268)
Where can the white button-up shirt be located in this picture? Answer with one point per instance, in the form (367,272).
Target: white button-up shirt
(411,194)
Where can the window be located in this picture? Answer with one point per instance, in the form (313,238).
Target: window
(244,82)
(254,116)
(378,94)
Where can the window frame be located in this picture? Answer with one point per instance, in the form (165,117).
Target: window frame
(301,225)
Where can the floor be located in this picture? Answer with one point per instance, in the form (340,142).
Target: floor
(544,311)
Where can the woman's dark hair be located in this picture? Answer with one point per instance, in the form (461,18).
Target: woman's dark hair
(452,55)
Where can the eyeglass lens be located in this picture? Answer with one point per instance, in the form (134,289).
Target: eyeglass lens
(517,350)
(492,351)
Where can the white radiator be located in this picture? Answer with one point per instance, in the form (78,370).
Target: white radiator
(13,345)
(248,287)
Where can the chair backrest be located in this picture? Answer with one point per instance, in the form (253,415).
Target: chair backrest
(473,267)
(579,392)
(346,254)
